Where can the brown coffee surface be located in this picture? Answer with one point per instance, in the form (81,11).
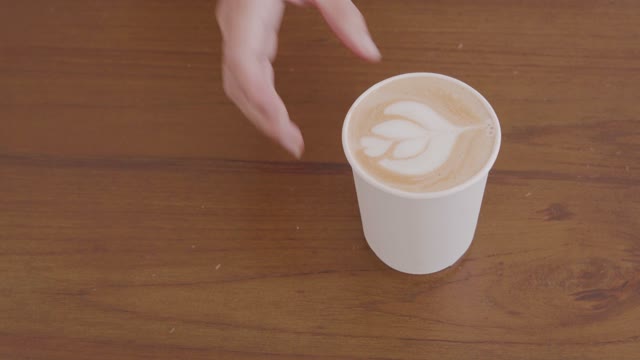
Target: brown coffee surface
(422,133)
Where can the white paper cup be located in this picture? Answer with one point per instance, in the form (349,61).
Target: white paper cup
(419,233)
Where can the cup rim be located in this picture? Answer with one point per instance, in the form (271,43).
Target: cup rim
(357,168)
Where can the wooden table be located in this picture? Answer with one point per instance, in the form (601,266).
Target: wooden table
(141,217)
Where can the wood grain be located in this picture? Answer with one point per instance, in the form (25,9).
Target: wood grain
(141,217)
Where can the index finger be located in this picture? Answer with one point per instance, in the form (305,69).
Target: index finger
(347,22)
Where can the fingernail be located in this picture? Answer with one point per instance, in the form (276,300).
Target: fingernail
(370,49)
(292,140)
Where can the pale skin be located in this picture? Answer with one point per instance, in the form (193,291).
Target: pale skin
(250,41)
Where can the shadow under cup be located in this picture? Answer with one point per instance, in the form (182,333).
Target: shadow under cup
(419,232)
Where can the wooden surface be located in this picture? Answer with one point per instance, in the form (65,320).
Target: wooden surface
(141,217)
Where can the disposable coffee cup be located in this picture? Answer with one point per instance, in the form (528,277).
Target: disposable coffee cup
(419,232)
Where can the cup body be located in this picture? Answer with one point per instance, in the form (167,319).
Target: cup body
(419,233)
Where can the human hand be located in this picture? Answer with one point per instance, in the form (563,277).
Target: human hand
(250,41)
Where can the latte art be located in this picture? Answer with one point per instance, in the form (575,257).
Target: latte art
(416,143)
(422,134)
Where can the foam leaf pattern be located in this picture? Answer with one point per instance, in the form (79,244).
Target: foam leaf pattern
(420,139)
(373,146)
(410,147)
(398,129)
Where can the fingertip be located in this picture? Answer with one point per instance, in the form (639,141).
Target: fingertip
(348,23)
(370,51)
(291,139)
